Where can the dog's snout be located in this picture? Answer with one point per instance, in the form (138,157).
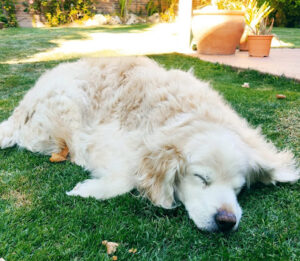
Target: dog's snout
(225,220)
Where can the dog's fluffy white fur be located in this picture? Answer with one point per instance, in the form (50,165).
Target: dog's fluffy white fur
(133,124)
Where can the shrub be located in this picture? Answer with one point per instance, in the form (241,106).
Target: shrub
(286,12)
(59,12)
(168,10)
(152,8)
(222,4)
(231,4)
(8,13)
(124,5)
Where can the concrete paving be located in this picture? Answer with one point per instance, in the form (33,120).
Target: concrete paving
(281,62)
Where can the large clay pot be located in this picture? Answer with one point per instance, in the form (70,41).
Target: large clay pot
(259,45)
(217,32)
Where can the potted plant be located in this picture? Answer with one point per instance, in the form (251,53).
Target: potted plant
(217,28)
(253,17)
(260,41)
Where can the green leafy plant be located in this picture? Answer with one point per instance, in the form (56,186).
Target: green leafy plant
(8,13)
(229,4)
(166,9)
(201,3)
(124,4)
(264,29)
(255,16)
(286,12)
(223,4)
(59,12)
(3,18)
(169,14)
(152,8)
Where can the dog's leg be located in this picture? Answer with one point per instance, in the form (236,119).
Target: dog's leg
(270,165)
(103,188)
(7,134)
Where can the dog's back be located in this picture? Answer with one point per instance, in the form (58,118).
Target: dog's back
(134,91)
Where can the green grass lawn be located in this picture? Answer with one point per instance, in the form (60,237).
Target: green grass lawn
(39,222)
(288,35)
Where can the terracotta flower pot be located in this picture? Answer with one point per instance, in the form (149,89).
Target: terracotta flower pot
(218,31)
(259,45)
(244,41)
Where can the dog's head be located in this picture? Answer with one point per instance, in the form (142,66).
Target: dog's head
(206,172)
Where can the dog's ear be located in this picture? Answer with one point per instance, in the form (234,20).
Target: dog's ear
(159,172)
(271,166)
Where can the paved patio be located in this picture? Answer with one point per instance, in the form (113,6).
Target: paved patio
(281,62)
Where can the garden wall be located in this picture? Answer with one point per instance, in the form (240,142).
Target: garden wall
(102,6)
(113,7)
(137,6)
(24,19)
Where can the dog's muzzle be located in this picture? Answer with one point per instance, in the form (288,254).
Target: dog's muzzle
(225,220)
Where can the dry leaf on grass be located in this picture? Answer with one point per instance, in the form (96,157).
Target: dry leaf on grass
(280,96)
(132,250)
(111,247)
(114,258)
(246,85)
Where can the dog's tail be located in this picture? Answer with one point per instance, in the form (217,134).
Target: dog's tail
(8,133)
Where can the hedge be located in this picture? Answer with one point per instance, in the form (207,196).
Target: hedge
(286,13)
(8,13)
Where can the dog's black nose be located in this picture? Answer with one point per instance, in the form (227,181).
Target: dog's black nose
(225,220)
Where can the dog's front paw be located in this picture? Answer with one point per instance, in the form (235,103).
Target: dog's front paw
(78,190)
(85,189)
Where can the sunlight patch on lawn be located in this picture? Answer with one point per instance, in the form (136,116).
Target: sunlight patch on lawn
(162,38)
(290,126)
(15,197)
(18,198)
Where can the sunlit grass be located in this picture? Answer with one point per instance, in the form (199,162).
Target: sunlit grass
(289,37)
(104,41)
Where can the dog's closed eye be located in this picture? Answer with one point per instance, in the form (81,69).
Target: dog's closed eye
(204,179)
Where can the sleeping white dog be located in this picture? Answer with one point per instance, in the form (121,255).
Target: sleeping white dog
(133,124)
